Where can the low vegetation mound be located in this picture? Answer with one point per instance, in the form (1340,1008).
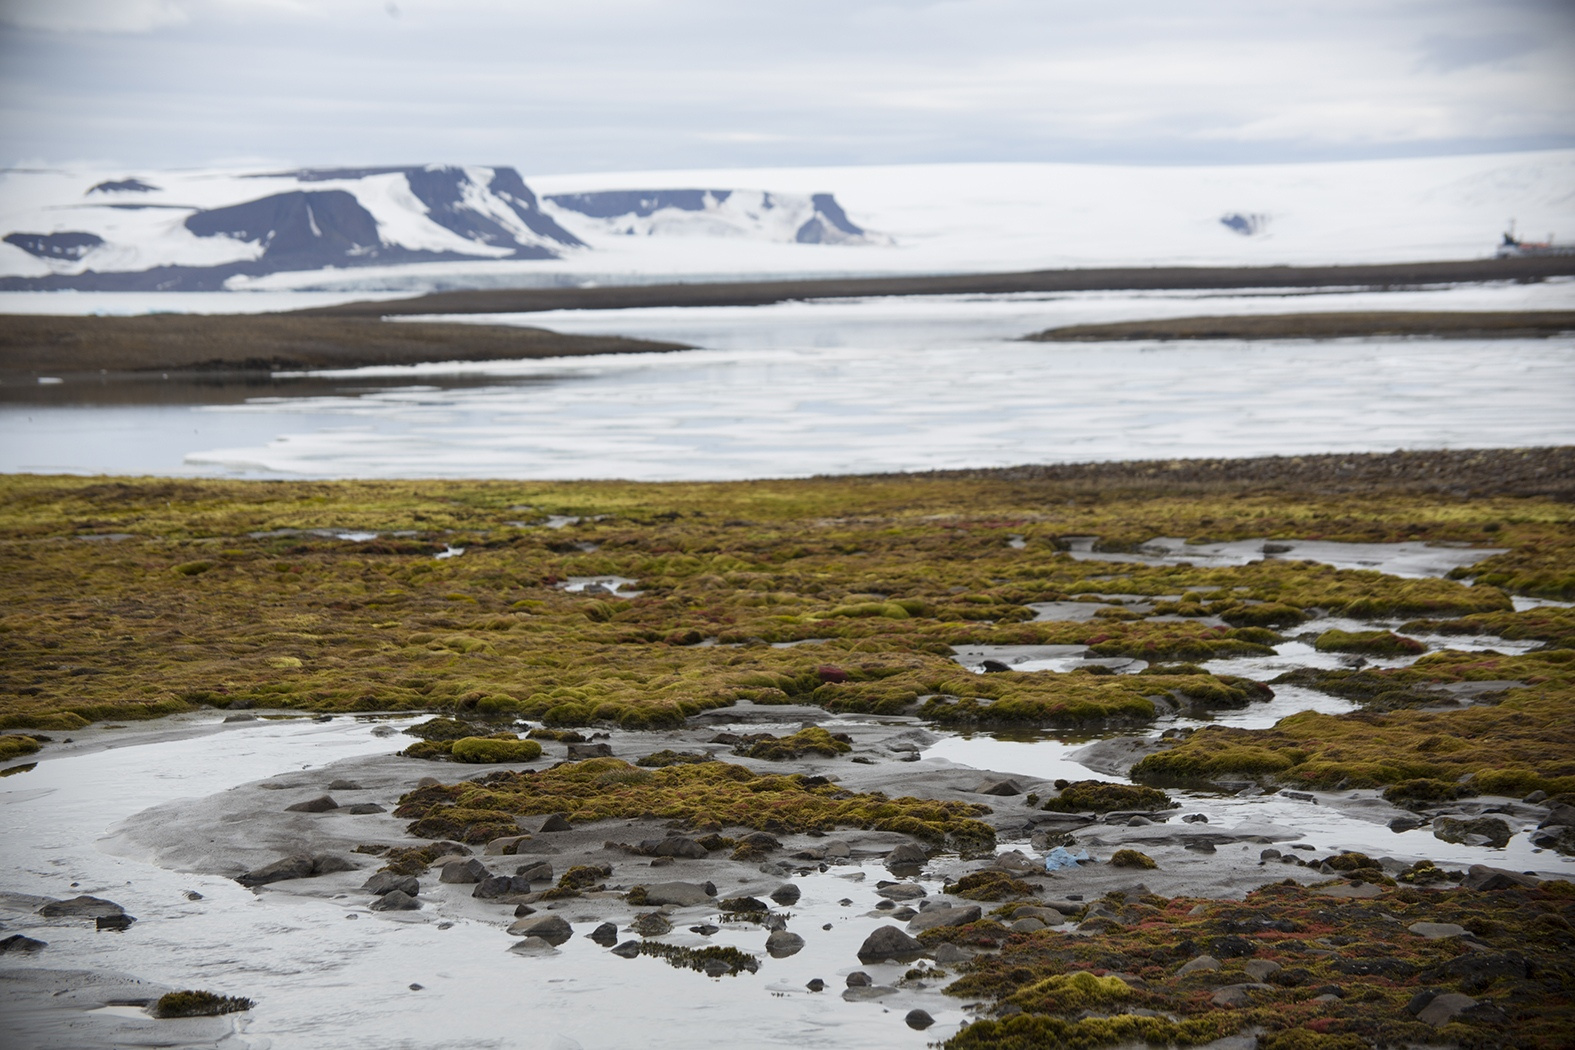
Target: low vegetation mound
(1103,796)
(199,1004)
(1515,746)
(695,795)
(236,595)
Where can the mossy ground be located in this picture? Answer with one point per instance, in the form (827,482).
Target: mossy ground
(210,603)
(707,794)
(1068,987)
(1515,746)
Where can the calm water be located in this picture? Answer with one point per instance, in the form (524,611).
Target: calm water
(845,386)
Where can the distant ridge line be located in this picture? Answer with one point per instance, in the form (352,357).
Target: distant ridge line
(763,293)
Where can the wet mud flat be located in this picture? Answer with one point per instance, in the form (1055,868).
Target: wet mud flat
(662,779)
(1523,324)
(34,345)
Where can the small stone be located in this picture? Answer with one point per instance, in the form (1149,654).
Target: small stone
(495,886)
(556,822)
(786,894)
(1493,831)
(522,910)
(705,929)
(320,804)
(533,946)
(679,894)
(901,891)
(83,907)
(888,942)
(1483,877)
(19,943)
(1027,926)
(627,950)
(1230,995)
(948,954)
(781,944)
(675,846)
(1201,847)
(1260,969)
(1003,788)
(1269,854)
(463,871)
(1195,818)
(579,752)
(386,882)
(116,923)
(344,785)
(396,900)
(192,895)
(1202,962)
(1399,825)
(414,987)
(605,935)
(535,871)
(505,846)
(1442,1009)
(859,979)
(1434,931)
(553,929)
(918,1020)
(906,855)
(816,985)
(1535,797)
(363,808)
(651,924)
(944,915)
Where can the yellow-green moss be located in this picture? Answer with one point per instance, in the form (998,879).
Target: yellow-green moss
(16,746)
(1131,858)
(477,749)
(695,795)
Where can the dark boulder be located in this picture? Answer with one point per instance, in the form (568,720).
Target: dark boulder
(888,942)
(387,882)
(396,900)
(83,907)
(320,804)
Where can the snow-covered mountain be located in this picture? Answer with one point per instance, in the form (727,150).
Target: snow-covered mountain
(194,231)
(791,218)
(414,229)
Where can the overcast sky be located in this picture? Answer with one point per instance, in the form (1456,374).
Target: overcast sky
(588,85)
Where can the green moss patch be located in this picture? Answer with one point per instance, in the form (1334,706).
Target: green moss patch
(1514,747)
(887,575)
(199,1004)
(990,886)
(710,793)
(1103,796)
(1131,858)
(16,746)
(812,740)
(1369,643)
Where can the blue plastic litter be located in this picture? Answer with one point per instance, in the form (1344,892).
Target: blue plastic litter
(1059,859)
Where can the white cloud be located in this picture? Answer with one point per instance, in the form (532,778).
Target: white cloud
(686,83)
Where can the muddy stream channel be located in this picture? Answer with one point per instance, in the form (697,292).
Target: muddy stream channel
(161,817)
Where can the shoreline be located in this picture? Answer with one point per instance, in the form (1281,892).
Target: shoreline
(203,345)
(1158,278)
(1442,324)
